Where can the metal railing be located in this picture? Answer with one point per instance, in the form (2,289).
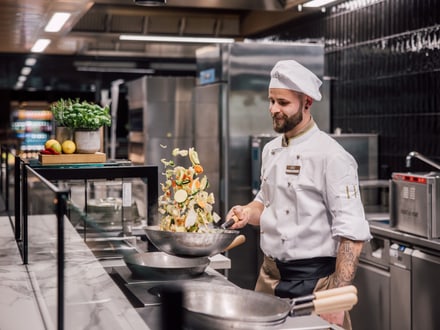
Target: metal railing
(24,175)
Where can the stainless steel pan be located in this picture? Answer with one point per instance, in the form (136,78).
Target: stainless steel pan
(160,265)
(234,308)
(185,244)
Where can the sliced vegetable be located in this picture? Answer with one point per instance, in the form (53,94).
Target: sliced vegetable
(185,205)
(180,196)
(193,156)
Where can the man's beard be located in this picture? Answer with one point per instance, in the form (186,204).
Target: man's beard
(284,124)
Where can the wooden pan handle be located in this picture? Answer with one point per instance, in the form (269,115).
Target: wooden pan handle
(338,303)
(335,292)
(240,239)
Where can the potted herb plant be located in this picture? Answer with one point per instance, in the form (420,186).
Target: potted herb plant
(85,119)
(62,131)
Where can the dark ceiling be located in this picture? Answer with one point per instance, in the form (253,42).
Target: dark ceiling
(87,54)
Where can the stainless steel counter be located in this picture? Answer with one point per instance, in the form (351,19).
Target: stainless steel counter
(397,280)
(384,230)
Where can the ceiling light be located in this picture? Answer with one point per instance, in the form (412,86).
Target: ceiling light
(132,37)
(317,3)
(22,79)
(40,45)
(26,70)
(30,61)
(57,21)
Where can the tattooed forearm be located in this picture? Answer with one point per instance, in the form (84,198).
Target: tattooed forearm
(346,262)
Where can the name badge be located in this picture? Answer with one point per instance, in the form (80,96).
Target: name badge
(293,169)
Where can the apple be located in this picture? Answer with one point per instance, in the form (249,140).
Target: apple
(54,146)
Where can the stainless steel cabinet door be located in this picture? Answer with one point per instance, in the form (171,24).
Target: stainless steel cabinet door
(373,309)
(425,291)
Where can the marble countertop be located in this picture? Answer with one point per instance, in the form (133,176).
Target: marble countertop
(92,299)
(16,291)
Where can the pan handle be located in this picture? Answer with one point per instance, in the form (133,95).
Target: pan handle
(229,222)
(240,239)
(338,303)
(335,292)
(324,294)
(334,303)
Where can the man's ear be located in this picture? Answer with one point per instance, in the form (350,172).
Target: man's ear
(308,102)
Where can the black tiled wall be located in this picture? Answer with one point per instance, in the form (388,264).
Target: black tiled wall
(383,58)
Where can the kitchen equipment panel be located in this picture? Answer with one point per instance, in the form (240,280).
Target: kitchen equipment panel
(415,199)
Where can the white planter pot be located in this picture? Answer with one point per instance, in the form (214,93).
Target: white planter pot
(87,142)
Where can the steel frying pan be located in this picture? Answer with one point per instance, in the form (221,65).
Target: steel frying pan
(160,265)
(234,308)
(186,244)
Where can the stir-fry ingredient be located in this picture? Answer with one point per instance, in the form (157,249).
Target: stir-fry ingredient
(185,205)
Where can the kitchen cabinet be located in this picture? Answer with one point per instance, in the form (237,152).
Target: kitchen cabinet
(373,283)
(401,292)
(425,291)
(400,270)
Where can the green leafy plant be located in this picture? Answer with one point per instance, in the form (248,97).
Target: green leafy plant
(80,115)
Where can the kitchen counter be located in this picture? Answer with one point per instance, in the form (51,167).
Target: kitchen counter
(92,298)
(382,229)
(16,291)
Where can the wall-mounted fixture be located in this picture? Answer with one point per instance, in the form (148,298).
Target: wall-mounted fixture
(132,37)
(150,2)
(317,3)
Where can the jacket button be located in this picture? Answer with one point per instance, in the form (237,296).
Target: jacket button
(287,211)
(267,204)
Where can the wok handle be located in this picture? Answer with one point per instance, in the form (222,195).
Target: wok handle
(324,294)
(229,222)
(334,303)
(338,303)
(240,239)
(335,292)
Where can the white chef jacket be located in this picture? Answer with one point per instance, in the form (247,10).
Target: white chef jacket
(310,192)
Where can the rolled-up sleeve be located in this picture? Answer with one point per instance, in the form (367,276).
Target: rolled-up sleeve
(344,198)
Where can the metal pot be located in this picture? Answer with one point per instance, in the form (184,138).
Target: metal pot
(186,244)
(160,265)
(233,308)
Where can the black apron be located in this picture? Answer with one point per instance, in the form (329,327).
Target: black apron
(299,277)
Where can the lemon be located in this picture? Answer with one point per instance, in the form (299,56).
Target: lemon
(69,147)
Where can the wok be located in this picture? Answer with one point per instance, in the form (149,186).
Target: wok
(230,307)
(186,244)
(162,265)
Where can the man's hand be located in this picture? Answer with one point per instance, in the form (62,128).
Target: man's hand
(334,318)
(245,214)
(240,215)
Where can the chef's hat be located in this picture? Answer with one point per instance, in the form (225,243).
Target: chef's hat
(291,75)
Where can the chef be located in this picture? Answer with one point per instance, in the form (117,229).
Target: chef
(309,208)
